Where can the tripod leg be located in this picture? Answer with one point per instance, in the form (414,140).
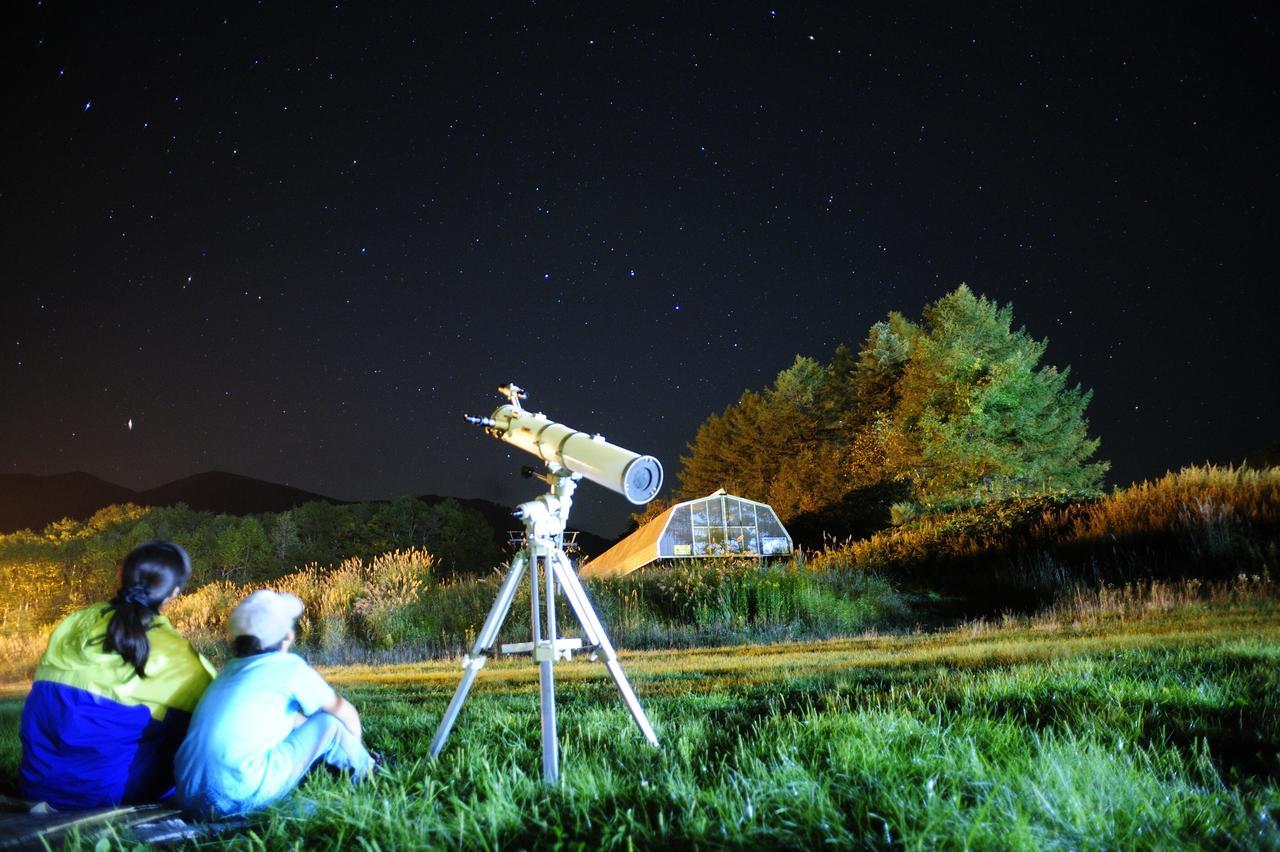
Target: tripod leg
(577,597)
(546,675)
(472,663)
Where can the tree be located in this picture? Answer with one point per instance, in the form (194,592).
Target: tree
(326,533)
(397,524)
(957,409)
(812,477)
(721,454)
(881,360)
(651,510)
(243,550)
(746,448)
(977,419)
(459,539)
(282,533)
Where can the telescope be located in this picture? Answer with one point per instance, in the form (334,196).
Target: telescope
(570,455)
(632,475)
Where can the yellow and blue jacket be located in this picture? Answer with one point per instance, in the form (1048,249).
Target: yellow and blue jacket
(95,734)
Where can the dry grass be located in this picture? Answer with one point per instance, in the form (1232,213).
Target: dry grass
(1194,498)
(1208,522)
(352,600)
(355,600)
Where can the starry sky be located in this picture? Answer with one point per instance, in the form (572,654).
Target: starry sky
(299,241)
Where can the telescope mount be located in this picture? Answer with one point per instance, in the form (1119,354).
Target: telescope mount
(549,569)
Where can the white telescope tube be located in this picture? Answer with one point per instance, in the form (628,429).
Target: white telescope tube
(632,475)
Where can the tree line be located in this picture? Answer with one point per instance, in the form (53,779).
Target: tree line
(256,548)
(953,410)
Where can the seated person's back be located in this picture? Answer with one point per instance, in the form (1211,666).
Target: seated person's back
(113,693)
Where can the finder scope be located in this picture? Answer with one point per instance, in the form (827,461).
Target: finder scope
(632,475)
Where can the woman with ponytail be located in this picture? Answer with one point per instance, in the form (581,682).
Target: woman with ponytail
(113,694)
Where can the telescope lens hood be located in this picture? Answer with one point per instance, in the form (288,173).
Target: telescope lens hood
(642,480)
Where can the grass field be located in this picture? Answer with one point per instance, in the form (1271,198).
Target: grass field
(1148,731)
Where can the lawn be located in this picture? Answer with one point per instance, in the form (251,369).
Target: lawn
(1146,731)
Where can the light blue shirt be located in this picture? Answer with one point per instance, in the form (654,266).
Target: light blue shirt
(231,755)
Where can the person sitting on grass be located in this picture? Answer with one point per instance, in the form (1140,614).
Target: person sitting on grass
(266,720)
(113,693)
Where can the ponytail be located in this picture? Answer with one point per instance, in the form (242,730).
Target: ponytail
(148,577)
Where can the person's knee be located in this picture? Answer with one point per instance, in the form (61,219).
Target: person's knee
(311,739)
(329,724)
(343,749)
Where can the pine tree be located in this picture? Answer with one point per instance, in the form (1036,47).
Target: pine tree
(881,359)
(978,419)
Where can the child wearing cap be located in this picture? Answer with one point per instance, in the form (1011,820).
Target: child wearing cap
(266,719)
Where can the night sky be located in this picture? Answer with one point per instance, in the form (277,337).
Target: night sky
(298,241)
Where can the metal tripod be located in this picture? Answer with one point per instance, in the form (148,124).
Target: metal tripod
(544,521)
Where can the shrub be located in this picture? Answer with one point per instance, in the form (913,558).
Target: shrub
(201,615)
(368,602)
(727,596)
(1209,522)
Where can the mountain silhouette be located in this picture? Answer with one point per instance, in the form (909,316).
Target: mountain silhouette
(227,494)
(29,501)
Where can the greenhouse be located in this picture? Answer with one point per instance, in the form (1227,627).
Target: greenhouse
(713,526)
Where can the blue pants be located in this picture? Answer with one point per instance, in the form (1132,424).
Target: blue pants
(321,737)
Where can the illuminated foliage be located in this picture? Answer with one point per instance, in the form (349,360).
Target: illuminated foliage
(954,411)
(978,419)
(746,448)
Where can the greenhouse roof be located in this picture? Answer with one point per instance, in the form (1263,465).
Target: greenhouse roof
(717,525)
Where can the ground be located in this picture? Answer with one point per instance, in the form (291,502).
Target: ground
(1157,730)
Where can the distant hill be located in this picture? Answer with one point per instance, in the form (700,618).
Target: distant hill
(227,494)
(33,502)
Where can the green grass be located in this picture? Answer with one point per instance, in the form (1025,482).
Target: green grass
(1146,731)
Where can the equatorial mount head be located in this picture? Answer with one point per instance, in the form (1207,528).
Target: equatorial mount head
(514,393)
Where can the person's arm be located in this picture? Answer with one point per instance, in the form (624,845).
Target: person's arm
(345,712)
